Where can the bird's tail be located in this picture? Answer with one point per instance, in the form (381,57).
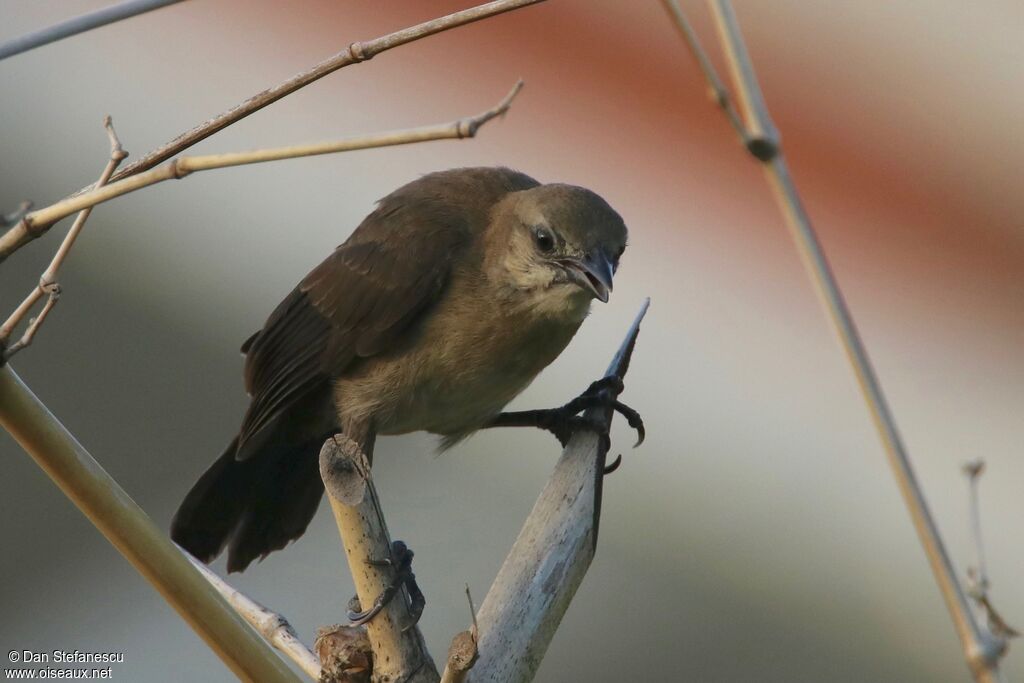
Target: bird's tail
(253,506)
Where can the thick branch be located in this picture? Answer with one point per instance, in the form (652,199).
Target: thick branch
(271,625)
(131,531)
(980,648)
(80,24)
(399,652)
(554,549)
(38,222)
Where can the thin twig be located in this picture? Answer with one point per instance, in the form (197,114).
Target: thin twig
(464,650)
(133,533)
(552,553)
(36,222)
(980,648)
(977,576)
(271,625)
(718,91)
(354,54)
(9,219)
(48,280)
(85,22)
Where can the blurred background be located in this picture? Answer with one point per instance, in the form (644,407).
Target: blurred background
(757,534)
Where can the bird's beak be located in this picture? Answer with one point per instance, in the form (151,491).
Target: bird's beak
(593,273)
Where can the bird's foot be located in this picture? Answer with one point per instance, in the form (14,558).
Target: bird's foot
(566,420)
(401,560)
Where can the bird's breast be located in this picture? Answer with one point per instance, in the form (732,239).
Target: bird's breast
(454,373)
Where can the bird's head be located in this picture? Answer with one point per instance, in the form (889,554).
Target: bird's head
(562,246)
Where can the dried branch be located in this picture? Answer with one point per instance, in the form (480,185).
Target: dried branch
(548,560)
(48,280)
(718,91)
(977,576)
(464,650)
(355,53)
(86,22)
(37,222)
(980,648)
(399,652)
(345,654)
(269,624)
(133,533)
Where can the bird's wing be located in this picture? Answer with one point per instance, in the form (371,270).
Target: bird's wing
(357,303)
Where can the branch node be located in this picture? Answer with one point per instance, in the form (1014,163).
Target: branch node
(358,52)
(764,149)
(117,152)
(9,219)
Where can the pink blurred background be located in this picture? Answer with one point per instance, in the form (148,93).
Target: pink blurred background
(758,534)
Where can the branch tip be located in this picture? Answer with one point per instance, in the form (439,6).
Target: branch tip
(468,127)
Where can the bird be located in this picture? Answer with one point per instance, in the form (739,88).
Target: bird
(445,303)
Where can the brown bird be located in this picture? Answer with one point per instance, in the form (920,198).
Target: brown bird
(442,306)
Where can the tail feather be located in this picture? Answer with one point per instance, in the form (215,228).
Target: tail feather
(281,506)
(252,507)
(213,507)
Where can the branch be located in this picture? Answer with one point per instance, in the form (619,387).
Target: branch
(554,549)
(977,576)
(9,219)
(399,652)
(980,649)
(48,280)
(345,654)
(271,625)
(464,650)
(133,533)
(38,222)
(718,91)
(86,22)
(355,53)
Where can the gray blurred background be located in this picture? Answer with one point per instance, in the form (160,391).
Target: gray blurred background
(757,534)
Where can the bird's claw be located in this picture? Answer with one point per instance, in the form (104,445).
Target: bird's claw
(565,421)
(401,559)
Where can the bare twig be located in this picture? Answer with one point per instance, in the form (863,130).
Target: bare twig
(37,222)
(85,22)
(548,560)
(133,533)
(399,652)
(48,280)
(464,650)
(9,219)
(981,650)
(355,53)
(977,576)
(269,624)
(718,91)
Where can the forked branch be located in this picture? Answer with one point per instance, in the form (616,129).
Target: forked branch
(48,284)
(37,222)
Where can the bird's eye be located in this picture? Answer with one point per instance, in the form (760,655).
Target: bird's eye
(544,239)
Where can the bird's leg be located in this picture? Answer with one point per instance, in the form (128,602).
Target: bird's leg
(564,421)
(401,560)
